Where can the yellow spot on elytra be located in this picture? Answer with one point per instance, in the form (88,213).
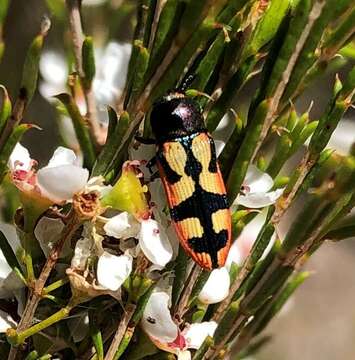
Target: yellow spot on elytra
(210,182)
(221,220)
(176,158)
(190,228)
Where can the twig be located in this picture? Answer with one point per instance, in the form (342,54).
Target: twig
(129,311)
(186,292)
(305,166)
(37,290)
(242,275)
(285,201)
(275,101)
(78,39)
(291,260)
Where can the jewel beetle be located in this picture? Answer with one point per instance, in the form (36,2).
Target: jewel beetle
(194,187)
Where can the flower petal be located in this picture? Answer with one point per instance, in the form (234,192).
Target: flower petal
(5,268)
(259,199)
(54,69)
(257,181)
(157,321)
(47,232)
(219,146)
(62,182)
(20,159)
(216,288)
(155,243)
(122,226)
(241,247)
(61,156)
(196,333)
(223,132)
(82,252)
(112,69)
(342,138)
(6,321)
(66,129)
(184,355)
(113,270)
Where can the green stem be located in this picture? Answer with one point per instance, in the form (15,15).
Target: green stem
(17,338)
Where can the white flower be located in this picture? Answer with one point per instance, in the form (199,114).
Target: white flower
(241,247)
(112,270)
(111,70)
(122,226)
(165,334)
(57,182)
(54,71)
(257,186)
(62,178)
(195,334)
(155,243)
(20,159)
(216,287)
(343,137)
(112,67)
(157,321)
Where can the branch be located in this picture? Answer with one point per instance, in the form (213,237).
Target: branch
(37,289)
(129,311)
(78,39)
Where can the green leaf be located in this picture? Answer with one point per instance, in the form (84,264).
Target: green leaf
(33,355)
(6,108)
(81,129)
(115,137)
(266,28)
(242,160)
(4,5)
(180,269)
(207,343)
(96,336)
(10,256)
(308,55)
(88,61)
(348,51)
(31,65)
(141,65)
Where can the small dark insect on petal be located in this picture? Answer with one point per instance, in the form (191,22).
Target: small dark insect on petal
(151,320)
(245,189)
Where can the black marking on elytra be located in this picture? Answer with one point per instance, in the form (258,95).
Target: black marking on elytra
(212,167)
(202,204)
(171,175)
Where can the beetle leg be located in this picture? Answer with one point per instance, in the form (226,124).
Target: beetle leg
(151,163)
(154,176)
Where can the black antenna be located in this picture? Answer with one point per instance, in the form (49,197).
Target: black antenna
(187,81)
